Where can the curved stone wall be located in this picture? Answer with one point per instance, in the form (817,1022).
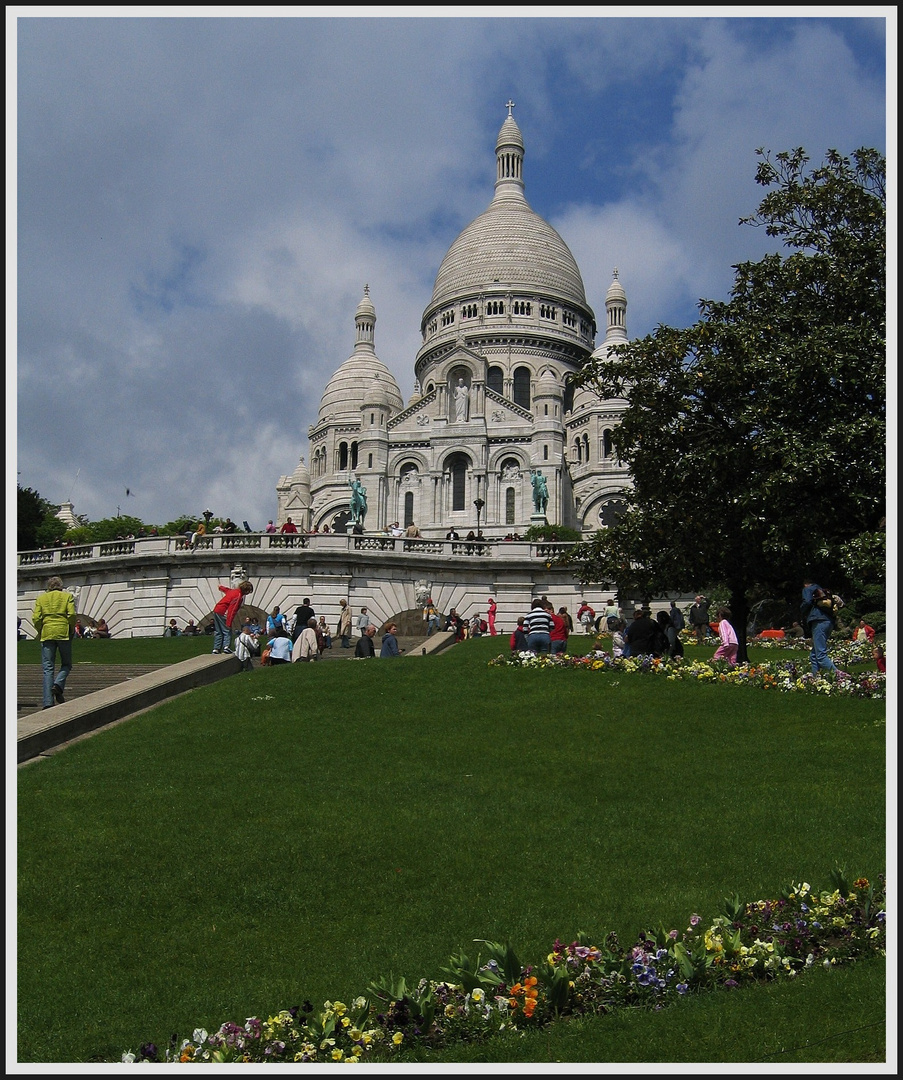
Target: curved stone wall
(139,585)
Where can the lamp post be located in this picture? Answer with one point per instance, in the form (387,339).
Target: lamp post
(208,514)
(479,504)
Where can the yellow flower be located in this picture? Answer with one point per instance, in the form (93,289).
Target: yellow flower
(398,1038)
(337,1055)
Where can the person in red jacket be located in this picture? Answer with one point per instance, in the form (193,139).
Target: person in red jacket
(224,615)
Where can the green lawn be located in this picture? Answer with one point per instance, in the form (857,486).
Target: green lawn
(299,831)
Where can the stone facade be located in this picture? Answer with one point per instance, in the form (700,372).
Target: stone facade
(506,325)
(139,585)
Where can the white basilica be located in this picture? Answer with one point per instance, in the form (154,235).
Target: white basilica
(491,411)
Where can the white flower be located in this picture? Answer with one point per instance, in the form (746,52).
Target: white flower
(128,1059)
(199,1036)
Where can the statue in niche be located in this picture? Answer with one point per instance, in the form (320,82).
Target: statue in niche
(462,397)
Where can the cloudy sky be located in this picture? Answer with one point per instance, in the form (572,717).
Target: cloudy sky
(198,202)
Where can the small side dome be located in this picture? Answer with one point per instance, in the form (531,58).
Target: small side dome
(547,385)
(377,393)
(351,384)
(301,476)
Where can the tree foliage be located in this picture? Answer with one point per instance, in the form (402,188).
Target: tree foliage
(756,437)
(36,522)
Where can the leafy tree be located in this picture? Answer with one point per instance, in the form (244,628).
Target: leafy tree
(97,532)
(36,521)
(551,532)
(756,437)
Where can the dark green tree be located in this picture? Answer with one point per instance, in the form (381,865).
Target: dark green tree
(36,521)
(756,437)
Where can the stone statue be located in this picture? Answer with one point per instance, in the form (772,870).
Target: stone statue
(461,398)
(540,491)
(358,502)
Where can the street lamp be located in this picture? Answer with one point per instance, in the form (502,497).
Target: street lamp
(479,504)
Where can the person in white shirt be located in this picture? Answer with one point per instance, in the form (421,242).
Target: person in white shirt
(305,647)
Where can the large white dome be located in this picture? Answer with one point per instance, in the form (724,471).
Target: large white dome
(509,245)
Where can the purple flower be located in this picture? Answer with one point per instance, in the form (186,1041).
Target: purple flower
(682,988)
(731,984)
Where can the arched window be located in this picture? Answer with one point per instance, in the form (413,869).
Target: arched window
(457,467)
(408,508)
(495,379)
(354,455)
(585,446)
(343,456)
(522,387)
(509,506)
(606,443)
(578,450)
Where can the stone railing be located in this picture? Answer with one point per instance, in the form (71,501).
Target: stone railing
(143,547)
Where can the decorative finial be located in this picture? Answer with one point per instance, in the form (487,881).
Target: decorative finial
(616,274)
(509,105)
(367,287)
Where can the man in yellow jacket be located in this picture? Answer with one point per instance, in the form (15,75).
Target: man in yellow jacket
(54,623)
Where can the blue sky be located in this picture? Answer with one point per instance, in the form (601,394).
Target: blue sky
(198,202)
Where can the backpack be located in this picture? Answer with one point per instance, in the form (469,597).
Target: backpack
(612,622)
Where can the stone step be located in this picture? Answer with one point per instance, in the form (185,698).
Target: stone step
(83,679)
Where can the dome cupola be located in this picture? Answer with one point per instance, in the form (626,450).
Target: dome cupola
(352,385)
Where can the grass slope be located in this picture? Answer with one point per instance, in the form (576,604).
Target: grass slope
(297,832)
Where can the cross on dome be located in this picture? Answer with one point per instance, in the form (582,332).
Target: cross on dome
(509,105)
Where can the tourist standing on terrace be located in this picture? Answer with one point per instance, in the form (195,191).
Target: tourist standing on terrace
(224,615)
(343,629)
(491,617)
(303,614)
(54,622)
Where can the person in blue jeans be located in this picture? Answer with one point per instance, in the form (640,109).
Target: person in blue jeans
(819,624)
(54,622)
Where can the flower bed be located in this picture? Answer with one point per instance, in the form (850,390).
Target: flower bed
(787,675)
(749,943)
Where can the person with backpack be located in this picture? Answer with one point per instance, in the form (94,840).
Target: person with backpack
(677,617)
(586,616)
(818,610)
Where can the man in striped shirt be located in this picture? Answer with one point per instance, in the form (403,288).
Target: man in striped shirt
(538,627)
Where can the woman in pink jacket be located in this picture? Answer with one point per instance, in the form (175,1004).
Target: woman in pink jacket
(727,650)
(224,615)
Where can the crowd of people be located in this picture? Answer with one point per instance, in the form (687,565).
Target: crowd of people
(304,636)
